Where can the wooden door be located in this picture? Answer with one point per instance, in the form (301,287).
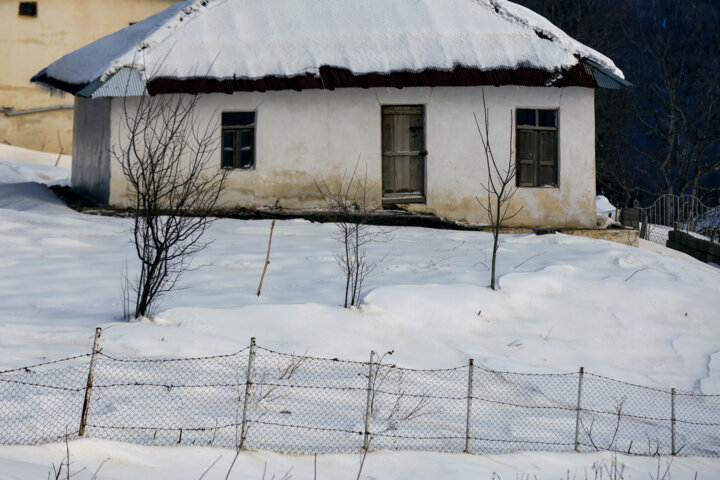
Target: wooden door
(403,154)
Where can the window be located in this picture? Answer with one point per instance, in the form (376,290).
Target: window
(537,148)
(238,140)
(28,9)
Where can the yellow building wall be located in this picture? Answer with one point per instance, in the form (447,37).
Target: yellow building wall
(29,44)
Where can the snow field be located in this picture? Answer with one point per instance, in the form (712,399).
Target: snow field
(19,165)
(625,313)
(128,461)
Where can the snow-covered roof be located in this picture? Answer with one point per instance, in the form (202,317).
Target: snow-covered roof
(255,39)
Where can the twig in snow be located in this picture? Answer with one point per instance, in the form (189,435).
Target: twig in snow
(208,469)
(636,271)
(528,259)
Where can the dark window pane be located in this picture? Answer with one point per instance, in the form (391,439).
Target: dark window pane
(246,138)
(526,117)
(246,159)
(526,145)
(548,158)
(547,148)
(526,174)
(547,175)
(238,118)
(227,159)
(547,118)
(228,139)
(28,9)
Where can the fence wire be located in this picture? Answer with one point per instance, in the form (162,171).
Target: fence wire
(295,403)
(191,401)
(42,403)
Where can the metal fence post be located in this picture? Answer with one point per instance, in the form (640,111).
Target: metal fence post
(248,387)
(579,409)
(471,368)
(88,386)
(369,404)
(672,422)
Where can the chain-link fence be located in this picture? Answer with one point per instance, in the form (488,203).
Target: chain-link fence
(262,399)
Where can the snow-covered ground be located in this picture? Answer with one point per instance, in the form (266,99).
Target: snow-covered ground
(19,165)
(130,462)
(565,302)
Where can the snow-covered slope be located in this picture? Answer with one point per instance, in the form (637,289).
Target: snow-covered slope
(565,301)
(18,165)
(253,39)
(132,462)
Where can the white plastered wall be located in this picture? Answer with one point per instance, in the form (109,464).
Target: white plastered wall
(302,137)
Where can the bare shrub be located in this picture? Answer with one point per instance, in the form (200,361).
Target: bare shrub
(500,186)
(346,197)
(174,185)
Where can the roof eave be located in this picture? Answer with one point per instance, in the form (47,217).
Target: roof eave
(43,79)
(605,78)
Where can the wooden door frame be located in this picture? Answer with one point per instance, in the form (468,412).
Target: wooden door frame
(394,199)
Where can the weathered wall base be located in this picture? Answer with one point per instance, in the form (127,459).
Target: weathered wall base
(624,236)
(703,250)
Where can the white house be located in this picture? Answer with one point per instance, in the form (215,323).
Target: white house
(302,89)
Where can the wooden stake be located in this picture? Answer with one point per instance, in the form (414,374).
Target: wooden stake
(369,405)
(248,386)
(673,451)
(468,415)
(88,387)
(267,258)
(579,409)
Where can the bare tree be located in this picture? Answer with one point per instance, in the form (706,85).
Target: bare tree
(677,138)
(596,24)
(346,197)
(174,184)
(500,186)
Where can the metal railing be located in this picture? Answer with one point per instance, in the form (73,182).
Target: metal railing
(262,399)
(678,212)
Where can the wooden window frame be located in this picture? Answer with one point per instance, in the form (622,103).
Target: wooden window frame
(28,9)
(237,148)
(537,160)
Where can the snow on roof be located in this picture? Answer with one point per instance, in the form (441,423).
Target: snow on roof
(252,39)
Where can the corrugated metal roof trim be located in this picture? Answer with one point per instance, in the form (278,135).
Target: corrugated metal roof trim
(605,78)
(330,78)
(126,82)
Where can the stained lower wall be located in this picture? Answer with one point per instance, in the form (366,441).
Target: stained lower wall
(302,137)
(91,147)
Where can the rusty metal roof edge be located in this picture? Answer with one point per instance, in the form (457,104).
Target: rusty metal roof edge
(328,77)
